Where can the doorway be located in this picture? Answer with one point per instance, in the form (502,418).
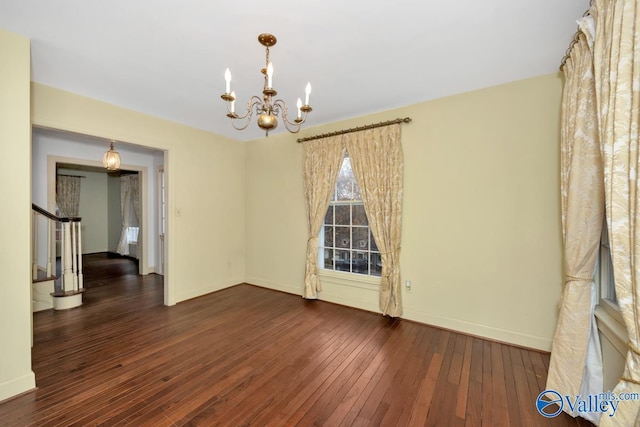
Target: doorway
(53,149)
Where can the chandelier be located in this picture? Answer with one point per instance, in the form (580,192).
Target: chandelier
(266,107)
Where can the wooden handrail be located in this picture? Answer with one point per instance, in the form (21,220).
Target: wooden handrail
(52,216)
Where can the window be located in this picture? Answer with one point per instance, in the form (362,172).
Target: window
(132,234)
(346,243)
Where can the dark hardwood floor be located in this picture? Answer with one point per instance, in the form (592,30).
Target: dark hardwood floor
(252,356)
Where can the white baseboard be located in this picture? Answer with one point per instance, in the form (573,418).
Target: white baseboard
(41,295)
(480,330)
(462,326)
(295,290)
(207,289)
(18,385)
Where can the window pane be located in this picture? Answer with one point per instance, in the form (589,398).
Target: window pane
(360,262)
(359,217)
(361,238)
(344,185)
(376,264)
(328,259)
(343,239)
(374,247)
(357,194)
(343,216)
(344,190)
(343,260)
(328,218)
(328,236)
(132,234)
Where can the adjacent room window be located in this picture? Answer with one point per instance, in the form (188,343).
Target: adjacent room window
(346,243)
(132,234)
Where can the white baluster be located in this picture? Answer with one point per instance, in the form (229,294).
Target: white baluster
(74,254)
(50,230)
(67,276)
(34,245)
(80,274)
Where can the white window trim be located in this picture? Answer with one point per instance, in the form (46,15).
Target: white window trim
(608,318)
(611,326)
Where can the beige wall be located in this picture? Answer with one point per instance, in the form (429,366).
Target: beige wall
(481,234)
(15,148)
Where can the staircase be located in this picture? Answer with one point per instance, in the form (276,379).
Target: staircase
(57,285)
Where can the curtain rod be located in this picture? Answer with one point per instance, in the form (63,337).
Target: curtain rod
(573,42)
(75,176)
(365,127)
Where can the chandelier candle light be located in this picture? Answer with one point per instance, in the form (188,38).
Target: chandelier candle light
(266,108)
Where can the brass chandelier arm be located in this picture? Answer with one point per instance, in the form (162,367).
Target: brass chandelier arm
(292,126)
(253,101)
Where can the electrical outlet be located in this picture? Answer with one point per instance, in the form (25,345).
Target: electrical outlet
(407,285)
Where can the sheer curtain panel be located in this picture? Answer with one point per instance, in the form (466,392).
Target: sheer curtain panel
(129,199)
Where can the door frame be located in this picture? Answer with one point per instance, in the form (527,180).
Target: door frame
(52,161)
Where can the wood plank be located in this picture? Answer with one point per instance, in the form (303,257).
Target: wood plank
(488,410)
(473,415)
(498,386)
(427,390)
(513,407)
(463,390)
(445,395)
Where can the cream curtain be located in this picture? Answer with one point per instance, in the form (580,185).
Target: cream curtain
(376,159)
(617,78)
(128,186)
(68,195)
(575,367)
(322,161)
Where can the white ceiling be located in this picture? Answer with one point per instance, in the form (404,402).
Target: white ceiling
(167,58)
